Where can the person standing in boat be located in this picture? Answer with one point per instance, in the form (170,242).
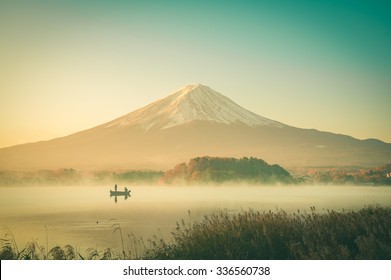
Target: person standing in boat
(126,190)
(115,187)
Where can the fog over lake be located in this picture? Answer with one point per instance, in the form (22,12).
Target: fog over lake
(84,216)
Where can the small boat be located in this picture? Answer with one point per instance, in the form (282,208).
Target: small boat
(119,193)
(125,192)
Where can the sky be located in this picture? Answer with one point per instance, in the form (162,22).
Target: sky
(66,66)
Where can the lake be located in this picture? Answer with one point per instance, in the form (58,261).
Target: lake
(85,217)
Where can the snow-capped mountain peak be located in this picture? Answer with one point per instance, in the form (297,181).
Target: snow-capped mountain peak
(191,103)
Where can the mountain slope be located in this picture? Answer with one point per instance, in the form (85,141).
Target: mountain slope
(194,121)
(191,103)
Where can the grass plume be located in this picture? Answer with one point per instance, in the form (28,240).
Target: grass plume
(363,234)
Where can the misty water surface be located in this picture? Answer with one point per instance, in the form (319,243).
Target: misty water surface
(84,216)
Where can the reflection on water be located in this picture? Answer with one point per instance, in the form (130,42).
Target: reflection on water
(84,216)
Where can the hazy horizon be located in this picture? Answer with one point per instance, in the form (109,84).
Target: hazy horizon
(69,66)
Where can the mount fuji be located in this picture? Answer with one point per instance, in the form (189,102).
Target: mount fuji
(193,121)
(191,103)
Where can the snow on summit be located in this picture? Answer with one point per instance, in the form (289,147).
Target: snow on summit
(190,103)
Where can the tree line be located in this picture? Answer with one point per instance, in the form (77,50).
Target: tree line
(226,169)
(204,170)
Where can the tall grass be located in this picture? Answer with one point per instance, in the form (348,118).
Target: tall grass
(363,234)
(33,251)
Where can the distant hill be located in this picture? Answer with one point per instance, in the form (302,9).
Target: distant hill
(374,176)
(193,121)
(212,170)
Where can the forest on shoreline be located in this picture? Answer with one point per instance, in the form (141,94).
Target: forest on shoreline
(205,171)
